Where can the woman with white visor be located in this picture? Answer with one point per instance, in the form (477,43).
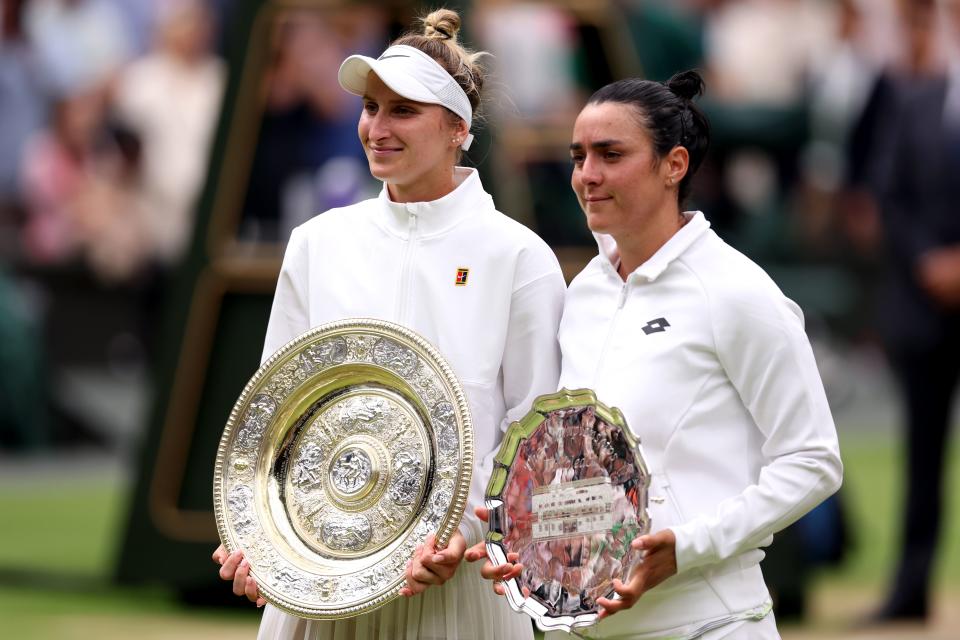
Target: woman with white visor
(433,254)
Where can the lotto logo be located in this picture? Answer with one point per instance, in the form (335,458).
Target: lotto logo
(656,326)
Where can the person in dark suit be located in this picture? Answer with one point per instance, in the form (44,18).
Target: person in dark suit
(920,314)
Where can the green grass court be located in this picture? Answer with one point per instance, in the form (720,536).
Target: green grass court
(60,532)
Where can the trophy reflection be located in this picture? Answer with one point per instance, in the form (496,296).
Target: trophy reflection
(568,494)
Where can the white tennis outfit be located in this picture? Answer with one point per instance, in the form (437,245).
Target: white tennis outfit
(497,328)
(711,367)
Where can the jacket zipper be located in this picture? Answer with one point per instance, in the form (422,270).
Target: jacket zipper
(406,271)
(621,300)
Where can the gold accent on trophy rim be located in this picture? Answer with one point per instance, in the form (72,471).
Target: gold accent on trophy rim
(298,403)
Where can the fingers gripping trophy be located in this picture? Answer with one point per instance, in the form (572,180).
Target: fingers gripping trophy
(708,362)
(566,499)
(407,332)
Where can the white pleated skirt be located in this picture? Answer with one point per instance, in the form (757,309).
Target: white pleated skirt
(465,608)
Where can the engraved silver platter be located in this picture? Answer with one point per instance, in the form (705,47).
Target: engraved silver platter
(346,449)
(568,493)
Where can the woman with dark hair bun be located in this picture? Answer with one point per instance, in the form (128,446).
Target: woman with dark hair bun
(707,360)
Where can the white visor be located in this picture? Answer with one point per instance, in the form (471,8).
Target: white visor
(412,74)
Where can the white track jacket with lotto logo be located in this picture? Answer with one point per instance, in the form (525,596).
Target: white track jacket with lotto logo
(711,367)
(481,287)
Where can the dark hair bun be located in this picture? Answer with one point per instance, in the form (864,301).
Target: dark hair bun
(686,84)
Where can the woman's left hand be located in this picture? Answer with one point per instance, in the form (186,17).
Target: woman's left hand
(430,567)
(659,563)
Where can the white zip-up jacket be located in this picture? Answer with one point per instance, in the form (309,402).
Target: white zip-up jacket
(711,367)
(400,262)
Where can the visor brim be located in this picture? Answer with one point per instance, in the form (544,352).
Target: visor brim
(355,70)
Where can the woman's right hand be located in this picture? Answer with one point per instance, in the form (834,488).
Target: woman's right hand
(490,571)
(235,568)
(659,563)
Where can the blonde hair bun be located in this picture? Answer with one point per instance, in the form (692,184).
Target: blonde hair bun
(443,24)
(438,39)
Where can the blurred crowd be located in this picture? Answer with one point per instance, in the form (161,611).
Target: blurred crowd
(108,109)
(107,114)
(825,138)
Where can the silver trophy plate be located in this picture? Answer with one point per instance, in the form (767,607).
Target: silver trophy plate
(568,494)
(346,449)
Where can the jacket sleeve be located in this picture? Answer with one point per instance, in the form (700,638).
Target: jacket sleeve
(531,356)
(530,365)
(767,357)
(289,315)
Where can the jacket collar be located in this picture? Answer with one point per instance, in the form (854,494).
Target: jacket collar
(437,216)
(672,249)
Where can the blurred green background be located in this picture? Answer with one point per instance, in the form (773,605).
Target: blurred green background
(62,523)
(92,329)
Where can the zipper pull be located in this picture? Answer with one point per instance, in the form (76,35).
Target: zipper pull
(412,223)
(623,296)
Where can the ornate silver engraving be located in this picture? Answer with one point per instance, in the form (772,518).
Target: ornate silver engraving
(257,417)
(444,426)
(287,578)
(346,532)
(328,352)
(361,413)
(284,381)
(306,470)
(351,471)
(329,505)
(407,478)
(443,413)
(388,353)
(346,460)
(240,504)
(438,506)
(261,409)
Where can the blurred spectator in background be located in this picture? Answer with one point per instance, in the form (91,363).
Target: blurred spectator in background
(170,100)
(536,60)
(533,45)
(23,422)
(79,179)
(114,179)
(307,158)
(139,18)
(841,83)
(914,55)
(758,55)
(22,112)
(760,51)
(78,42)
(835,226)
(55,164)
(920,317)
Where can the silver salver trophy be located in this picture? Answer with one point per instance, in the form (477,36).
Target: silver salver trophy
(347,448)
(568,493)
